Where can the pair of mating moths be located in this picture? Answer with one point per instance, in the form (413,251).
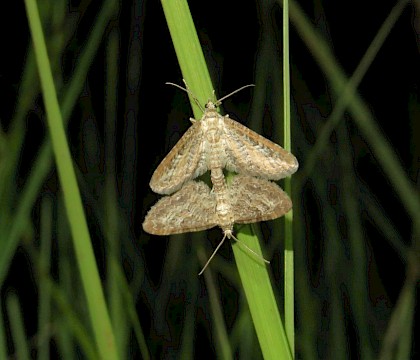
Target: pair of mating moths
(214,143)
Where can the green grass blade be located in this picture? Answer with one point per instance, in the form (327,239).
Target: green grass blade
(260,296)
(83,247)
(289,291)
(254,275)
(188,51)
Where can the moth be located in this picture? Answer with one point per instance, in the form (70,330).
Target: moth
(195,207)
(218,141)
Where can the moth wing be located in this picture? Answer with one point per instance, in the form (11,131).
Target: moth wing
(251,154)
(192,208)
(255,200)
(184,162)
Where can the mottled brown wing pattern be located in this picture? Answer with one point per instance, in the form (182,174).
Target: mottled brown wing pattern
(255,200)
(192,208)
(251,154)
(184,162)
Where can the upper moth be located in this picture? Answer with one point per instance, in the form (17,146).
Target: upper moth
(242,151)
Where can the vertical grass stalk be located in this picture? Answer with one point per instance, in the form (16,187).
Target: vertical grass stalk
(289,292)
(253,273)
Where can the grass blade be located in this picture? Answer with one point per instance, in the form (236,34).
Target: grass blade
(83,247)
(17,326)
(289,292)
(254,275)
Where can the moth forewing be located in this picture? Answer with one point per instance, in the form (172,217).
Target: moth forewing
(183,163)
(251,154)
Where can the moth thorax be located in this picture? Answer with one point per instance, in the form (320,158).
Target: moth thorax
(217,155)
(213,136)
(212,129)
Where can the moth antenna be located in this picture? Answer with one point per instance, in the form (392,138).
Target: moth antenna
(249,249)
(214,97)
(212,255)
(188,91)
(218,102)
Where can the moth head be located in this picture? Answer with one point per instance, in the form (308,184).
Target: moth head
(210,104)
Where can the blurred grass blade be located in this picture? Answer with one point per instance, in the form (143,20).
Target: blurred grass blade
(224,350)
(70,326)
(254,276)
(44,292)
(71,332)
(346,96)
(359,295)
(111,214)
(397,341)
(3,339)
(83,248)
(17,327)
(43,161)
(131,311)
(360,112)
